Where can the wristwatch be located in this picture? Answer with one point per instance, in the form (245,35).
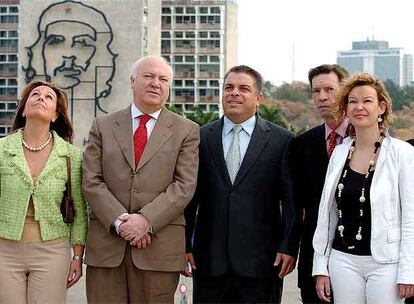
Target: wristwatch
(77,258)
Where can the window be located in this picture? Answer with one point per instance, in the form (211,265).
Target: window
(166,20)
(2,82)
(3,10)
(185,19)
(13,34)
(178,34)
(12,82)
(214,10)
(190,34)
(202,58)
(214,83)
(189,83)
(2,106)
(8,43)
(179,10)
(12,105)
(190,10)
(214,35)
(12,58)
(3,34)
(202,83)
(8,91)
(165,35)
(9,19)
(210,19)
(211,44)
(214,58)
(13,9)
(166,10)
(189,59)
(178,58)
(203,34)
(203,10)
(178,83)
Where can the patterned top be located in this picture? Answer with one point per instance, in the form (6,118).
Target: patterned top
(17,186)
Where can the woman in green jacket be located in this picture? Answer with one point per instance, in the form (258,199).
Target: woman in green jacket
(35,257)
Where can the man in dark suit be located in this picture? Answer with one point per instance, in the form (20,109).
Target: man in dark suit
(309,156)
(244,240)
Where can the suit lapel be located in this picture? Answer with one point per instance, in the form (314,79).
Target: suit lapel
(215,146)
(123,135)
(321,142)
(258,141)
(159,136)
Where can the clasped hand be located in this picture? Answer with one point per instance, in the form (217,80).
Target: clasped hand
(135,229)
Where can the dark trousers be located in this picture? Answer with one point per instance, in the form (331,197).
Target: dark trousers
(232,288)
(409,300)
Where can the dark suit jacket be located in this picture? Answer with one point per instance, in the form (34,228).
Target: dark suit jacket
(240,227)
(411,141)
(160,187)
(308,161)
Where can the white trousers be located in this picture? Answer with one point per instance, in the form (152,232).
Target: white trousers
(361,280)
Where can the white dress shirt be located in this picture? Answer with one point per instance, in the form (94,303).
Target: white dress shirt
(245,135)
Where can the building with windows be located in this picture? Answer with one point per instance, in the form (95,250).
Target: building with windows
(9,21)
(199,39)
(378,58)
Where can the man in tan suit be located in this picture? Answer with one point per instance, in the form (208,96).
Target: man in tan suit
(139,173)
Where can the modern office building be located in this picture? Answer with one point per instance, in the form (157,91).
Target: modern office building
(9,21)
(199,39)
(378,58)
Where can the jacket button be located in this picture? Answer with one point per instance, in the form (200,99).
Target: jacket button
(132,173)
(133,192)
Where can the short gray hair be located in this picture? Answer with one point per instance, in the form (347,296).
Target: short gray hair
(135,65)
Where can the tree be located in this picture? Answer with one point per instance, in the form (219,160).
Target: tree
(399,96)
(273,114)
(296,91)
(202,117)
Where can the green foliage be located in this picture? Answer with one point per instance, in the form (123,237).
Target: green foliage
(202,117)
(293,92)
(174,109)
(273,114)
(269,90)
(400,96)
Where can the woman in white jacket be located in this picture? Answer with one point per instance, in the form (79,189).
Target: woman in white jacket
(364,240)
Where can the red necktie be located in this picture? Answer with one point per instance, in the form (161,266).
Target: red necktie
(140,137)
(331,142)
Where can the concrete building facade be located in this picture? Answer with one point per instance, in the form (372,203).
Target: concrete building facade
(9,40)
(378,58)
(199,39)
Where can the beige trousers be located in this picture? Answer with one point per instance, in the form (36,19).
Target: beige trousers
(128,284)
(34,272)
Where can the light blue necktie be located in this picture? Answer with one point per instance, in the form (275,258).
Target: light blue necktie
(233,155)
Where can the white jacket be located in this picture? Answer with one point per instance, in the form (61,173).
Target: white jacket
(392,208)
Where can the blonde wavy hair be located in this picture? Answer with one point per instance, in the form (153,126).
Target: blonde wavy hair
(363,79)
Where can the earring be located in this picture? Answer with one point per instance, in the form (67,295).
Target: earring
(379,119)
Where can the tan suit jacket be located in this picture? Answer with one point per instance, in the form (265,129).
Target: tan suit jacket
(160,188)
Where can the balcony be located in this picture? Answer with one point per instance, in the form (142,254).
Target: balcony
(208,26)
(8,97)
(184,26)
(186,74)
(184,99)
(209,99)
(209,50)
(183,50)
(209,75)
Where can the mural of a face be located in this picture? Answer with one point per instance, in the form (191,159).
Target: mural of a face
(73,49)
(67,54)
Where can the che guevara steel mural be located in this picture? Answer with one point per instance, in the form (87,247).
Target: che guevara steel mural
(73,50)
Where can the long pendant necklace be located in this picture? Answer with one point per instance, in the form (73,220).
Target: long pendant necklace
(37,149)
(341,227)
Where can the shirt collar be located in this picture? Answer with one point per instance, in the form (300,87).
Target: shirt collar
(247,125)
(135,112)
(340,130)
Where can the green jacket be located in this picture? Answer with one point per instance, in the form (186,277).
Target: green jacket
(16,187)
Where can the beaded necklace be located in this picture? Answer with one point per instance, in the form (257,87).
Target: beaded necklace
(37,149)
(362,199)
